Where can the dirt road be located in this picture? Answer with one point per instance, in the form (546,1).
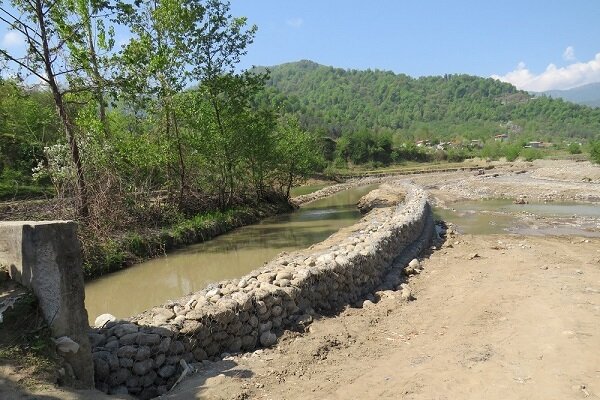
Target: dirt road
(521,320)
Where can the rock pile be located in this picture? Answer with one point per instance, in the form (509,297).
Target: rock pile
(142,356)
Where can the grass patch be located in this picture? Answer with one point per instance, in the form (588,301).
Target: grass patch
(26,345)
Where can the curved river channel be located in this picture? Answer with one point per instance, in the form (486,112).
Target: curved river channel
(142,286)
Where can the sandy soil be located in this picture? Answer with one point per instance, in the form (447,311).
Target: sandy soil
(542,180)
(521,320)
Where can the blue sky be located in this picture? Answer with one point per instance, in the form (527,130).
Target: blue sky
(536,45)
(512,40)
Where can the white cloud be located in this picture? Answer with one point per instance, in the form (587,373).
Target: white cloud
(573,75)
(12,40)
(569,54)
(295,22)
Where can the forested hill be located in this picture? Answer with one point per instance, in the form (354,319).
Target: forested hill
(339,101)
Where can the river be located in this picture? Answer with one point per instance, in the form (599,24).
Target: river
(500,216)
(138,288)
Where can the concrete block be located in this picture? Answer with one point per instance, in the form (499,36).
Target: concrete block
(46,257)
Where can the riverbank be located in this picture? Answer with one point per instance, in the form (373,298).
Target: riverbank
(113,254)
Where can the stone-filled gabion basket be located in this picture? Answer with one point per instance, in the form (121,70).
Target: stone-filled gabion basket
(142,356)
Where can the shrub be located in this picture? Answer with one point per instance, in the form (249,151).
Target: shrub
(574,148)
(595,152)
(531,154)
(512,152)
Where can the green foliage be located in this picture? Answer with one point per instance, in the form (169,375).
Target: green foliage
(297,152)
(339,101)
(531,154)
(574,148)
(28,122)
(511,152)
(362,146)
(595,152)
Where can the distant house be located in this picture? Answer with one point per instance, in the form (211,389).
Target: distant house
(535,145)
(501,137)
(476,143)
(444,145)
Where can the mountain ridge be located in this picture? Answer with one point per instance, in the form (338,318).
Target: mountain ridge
(336,100)
(588,94)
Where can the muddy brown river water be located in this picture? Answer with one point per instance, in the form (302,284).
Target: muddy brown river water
(142,286)
(500,216)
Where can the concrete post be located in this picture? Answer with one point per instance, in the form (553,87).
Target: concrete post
(46,257)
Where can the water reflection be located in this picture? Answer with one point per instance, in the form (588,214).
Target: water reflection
(135,289)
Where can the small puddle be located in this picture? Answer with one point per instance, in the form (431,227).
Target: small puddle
(503,216)
(142,286)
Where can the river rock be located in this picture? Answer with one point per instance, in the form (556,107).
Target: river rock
(142,367)
(148,379)
(159,360)
(261,307)
(406,293)
(167,371)
(143,353)
(276,311)
(126,362)
(104,319)
(176,347)
(65,344)
(125,329)
(163,347)
(118,377)
(268,339)
(199,354)
(265,327)
(162,315)
(248,342)
(148,339)
(127,351)
(283,275)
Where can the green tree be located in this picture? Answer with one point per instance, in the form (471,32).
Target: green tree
(297,152)
(48,59)
(574,148)
(595,152)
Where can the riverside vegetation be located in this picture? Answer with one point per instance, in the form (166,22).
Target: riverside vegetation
(159,141)
(150,144)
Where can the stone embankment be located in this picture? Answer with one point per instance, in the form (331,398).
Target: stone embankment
(145,355)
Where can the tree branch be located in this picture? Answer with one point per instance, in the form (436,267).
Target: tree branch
(23,65)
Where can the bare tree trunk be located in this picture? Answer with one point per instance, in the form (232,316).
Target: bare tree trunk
(182,172)
(83,203)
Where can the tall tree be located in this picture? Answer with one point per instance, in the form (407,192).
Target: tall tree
(154,63)
(47,60)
